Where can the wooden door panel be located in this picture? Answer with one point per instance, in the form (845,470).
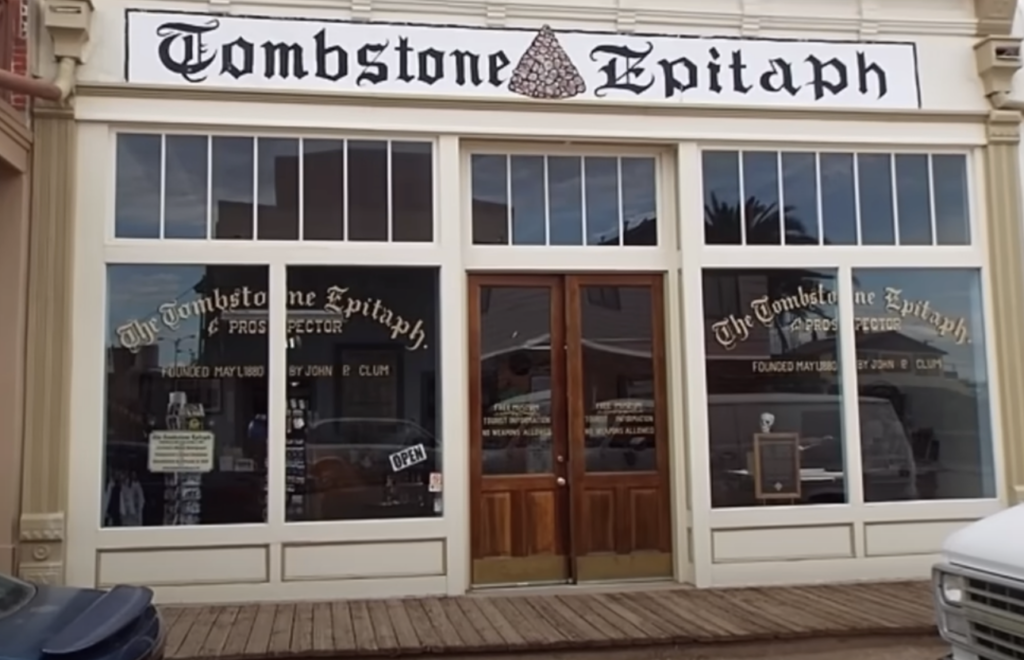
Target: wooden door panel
(519,506)
(618,439)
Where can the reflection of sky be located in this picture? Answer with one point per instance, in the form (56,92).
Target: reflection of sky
(841,191)
(575,186)
(135,293)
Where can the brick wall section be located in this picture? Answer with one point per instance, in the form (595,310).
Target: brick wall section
(19,64)
(14,48)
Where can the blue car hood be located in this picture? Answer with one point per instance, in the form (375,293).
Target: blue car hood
(61,622)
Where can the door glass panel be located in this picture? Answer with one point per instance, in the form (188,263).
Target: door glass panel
(618,378)
(515,380)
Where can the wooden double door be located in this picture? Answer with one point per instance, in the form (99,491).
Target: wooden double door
(569,457)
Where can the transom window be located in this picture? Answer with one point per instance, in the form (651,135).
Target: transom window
(564,200)
(809,198)
(270,188)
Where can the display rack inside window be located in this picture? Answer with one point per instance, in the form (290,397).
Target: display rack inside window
(183,490)
(297,425)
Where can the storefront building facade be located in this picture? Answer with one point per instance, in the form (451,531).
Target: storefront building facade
(395,303)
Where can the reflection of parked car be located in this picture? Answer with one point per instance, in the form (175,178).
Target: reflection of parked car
(888,464)
(363,446)
(39,622)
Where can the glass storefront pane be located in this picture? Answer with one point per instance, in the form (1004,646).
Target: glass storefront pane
(232,195)
(639,201)
(489,181)
(137,186)
(774,395)
(277,172)
(617,337)
(186,395)
(368,190)
(925,408)
(800,198)
(361,425)
(323,190)
(515,380)
(601,194)
(913,199)
(838,203)
(721,175)
(761,192)
(185,181)
(412,192)
(565,195)
(952,204)
(874,179)
(529,213)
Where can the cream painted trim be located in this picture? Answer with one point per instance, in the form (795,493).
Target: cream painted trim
(634,111)
(1006,284)
(48,349)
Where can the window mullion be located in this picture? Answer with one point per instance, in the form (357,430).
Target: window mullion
(847,357)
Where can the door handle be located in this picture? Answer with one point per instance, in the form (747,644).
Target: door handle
(560,481)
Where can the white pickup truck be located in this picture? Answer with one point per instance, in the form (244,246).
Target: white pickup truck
(979,588)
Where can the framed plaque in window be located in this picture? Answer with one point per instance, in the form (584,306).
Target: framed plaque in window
(776,467)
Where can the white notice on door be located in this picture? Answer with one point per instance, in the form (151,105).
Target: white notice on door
(181,451)
(407,457)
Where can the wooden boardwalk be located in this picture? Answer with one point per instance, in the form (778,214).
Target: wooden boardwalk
(481,624)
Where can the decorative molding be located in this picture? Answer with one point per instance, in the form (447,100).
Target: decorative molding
(994,16)
(496,14)
(898,19)
(750,23)
(36,527)
(625,22)
(1003,127)
(362,10)
(133,91)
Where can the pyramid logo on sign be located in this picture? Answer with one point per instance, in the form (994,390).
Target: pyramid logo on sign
(545,70)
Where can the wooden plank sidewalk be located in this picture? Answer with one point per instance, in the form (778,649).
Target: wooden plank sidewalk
(567,621)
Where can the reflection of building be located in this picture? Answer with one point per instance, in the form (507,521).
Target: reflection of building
(824,182)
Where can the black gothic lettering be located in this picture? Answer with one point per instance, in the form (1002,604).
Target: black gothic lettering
(627,80)
(190,59)
(284,60)
(820,83)
(340,64)
(496,63)
(228,55)
(670,73)
(431,65)
(374,71)
(467,68)
(714,71)
(737,66)
(779,78)
(403,59)
(863,69)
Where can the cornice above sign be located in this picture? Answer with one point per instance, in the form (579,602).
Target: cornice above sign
(281,54)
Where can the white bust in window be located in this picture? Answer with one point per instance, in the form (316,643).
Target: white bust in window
(767,421)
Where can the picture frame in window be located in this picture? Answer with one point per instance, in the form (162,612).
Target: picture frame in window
(776,466)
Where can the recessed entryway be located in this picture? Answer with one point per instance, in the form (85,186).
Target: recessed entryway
(569,460)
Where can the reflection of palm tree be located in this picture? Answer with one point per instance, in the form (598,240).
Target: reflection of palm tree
(763,227)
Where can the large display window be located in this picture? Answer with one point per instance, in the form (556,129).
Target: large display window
(194,432)
(786,424)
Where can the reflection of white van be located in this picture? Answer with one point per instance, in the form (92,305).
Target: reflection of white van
(886,454)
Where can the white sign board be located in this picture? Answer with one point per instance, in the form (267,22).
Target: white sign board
(407,457)
(284,54)
(181,451)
